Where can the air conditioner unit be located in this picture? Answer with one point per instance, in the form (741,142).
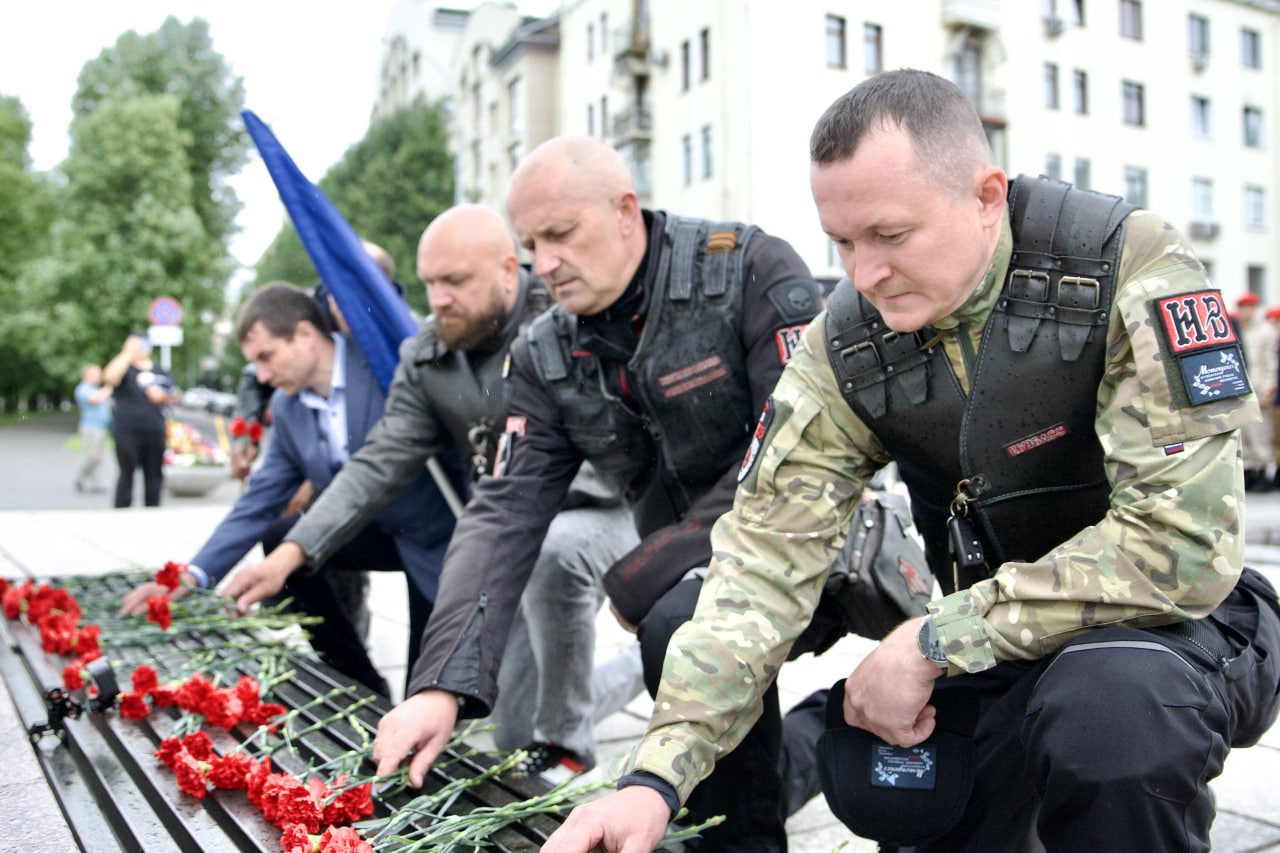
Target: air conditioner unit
(1199,61)
(1203,230)
(1054,26)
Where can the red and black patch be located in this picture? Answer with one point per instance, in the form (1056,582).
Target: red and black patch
(506,443)
(788,340)
(757,440)
(1194,321)
(693,376)
(1038,439)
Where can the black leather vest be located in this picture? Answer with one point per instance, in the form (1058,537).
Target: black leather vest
(1024,437)
(693,413)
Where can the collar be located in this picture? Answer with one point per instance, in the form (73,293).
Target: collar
(337,376)
(977,307)
(614,333)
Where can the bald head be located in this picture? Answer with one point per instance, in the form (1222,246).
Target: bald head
(581,167)
(468,262)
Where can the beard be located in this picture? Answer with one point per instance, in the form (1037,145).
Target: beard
(461,332)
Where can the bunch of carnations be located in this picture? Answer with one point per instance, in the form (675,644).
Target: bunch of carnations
(56,615)
(250,431)
(224,707)
(170,577)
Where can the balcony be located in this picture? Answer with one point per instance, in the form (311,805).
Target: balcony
(633,54)
(634,123)
(1203,230)
(977,14)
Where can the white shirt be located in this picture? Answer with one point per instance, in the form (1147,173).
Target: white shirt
(331,413)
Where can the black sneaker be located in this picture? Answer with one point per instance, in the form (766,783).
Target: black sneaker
(552,762)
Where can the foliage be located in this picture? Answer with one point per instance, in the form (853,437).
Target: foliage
(389,186)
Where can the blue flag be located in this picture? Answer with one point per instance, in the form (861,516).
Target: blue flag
(378,317)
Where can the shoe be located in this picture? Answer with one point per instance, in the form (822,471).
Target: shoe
(552,762)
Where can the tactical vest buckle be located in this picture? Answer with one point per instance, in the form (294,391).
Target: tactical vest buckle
(855,358)
(1029,285)
(1072,291)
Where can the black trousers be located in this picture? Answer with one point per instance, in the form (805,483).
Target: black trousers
(336,641)
(139,447)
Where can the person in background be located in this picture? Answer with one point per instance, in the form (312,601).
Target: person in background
(94,400)
(1260,358)
(141,394)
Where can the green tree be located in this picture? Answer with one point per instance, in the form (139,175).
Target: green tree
(389,186)
(179,60)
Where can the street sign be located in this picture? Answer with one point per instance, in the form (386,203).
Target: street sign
(165,336)
(165,311)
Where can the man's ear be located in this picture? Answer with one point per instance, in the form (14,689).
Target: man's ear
(629,217)
(992,188)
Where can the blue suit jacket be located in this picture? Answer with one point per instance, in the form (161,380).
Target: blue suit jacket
(419,520)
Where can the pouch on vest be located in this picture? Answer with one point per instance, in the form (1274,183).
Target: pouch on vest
(879,580)
(898,795)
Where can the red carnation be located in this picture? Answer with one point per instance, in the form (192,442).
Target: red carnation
(4,585)
(164,697)
(199,745)
(255,432)
(192,693)
(296,840)
(256,781)
(170,575)
(248,691)
(144,679)
(352,804)
(158,611)
(133,706)
(86,642)
(73,675)
(231,771)
(261,715)
(222,708)
(238,428)
(344,840)
(169,750)
(190,774)
(12,602)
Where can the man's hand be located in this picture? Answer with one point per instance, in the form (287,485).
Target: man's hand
(301,499)
(423,722)
(888,693)
(134,602)
(632,820)
(242,456)
(252,584)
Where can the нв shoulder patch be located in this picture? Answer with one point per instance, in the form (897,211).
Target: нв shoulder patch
(1197,333)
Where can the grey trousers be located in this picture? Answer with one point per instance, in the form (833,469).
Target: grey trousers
(95,440)
(545,683)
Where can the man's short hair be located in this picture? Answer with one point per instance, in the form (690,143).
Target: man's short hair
(279,307)
(943,125)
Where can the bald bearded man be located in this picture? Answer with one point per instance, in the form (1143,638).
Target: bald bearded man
(449,388)
(667,340)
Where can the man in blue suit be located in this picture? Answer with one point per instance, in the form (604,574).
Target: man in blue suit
(325,403)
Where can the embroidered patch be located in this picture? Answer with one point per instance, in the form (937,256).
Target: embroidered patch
(914,768)
(913,579)
(757,440)
(1031,442)
(506,443)
(696,375)
(1194,321)
(1170,449)
(797,301)
(516,424)
(1216,375)
(788,341)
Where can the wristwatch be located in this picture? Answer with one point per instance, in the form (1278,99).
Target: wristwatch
(930,647)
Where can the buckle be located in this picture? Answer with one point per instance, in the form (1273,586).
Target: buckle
(1080,282)
(850,353)
(1034,287)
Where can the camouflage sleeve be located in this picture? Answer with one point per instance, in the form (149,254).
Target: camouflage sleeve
(1170,548)
(796,495)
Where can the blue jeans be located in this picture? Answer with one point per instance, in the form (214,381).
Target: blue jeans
(545,681)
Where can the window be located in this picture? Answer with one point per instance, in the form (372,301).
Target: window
(604,34)
(1255,207)
(1253,127)
(591,42)
(1080,90)
(1084,177)
(515,106)
(1053,166)
(1134,103)
(1200,118)
(1201,200)
(967,71)
(1135,185)
(1050,86)
(604,116)
(835,42)
(1131,19)
(591,119)
(1077,12)
(684,65)
(1256,279)
(706,151)
(1198,36)
(704,43)
(514,152)
(1250,48)
(872,49)
(686,143)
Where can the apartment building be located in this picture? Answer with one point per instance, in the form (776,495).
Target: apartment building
(419,54)
(1171,103)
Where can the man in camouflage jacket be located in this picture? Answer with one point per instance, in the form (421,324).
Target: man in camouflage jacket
(1114,669)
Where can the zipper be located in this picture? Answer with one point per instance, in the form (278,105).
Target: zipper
(966,352)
